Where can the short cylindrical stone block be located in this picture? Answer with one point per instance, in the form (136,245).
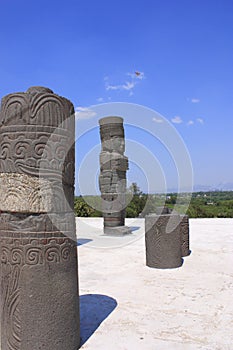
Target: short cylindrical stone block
(184,233)
(39,304)
(162,235)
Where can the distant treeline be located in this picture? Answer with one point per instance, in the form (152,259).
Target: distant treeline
(217,204)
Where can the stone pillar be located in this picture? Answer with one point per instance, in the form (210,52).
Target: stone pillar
(184,233)
(38,253)
(163,246)
(112,179)
(162,210)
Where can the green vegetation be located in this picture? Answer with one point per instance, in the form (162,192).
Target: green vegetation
(217,204)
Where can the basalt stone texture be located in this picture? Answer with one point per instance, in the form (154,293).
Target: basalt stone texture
(112,178)
(184,233)
(163,246)
(38,252)
(163,210)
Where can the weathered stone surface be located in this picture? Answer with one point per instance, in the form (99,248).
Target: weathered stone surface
(163,210)
(117,230)
(163,245)
(37,134)
(24,193)
(38,252)
(113,167)
(17,225)
(184,233)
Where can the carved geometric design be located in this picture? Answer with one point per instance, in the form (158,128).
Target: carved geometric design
(23,193)
(28,121)
(35,107)
(29,152)
(33,251)
(14,255)
(26,194)
(38,262)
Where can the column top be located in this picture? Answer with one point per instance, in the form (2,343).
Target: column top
(111,120)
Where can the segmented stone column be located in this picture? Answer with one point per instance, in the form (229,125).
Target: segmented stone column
(112,179)
(38,254)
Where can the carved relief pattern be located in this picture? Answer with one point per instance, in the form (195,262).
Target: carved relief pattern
(37,134)
(33,251)
(30,153)
(14,255)
(36,178)
(35,108)
(39,225)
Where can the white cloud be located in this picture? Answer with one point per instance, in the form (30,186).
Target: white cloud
(128,85)
(190,122)
(177,120)
(100,99)
(195,100)
(157,120)
(200,120)
(84,113)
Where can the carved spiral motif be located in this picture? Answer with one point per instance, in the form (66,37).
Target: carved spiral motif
(33,256)
(65,253)
(5,150)
(52,254)
(17,256)
(21,148)
(5,252)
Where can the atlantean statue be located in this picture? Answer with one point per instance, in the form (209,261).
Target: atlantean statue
(38,253)
(112,179)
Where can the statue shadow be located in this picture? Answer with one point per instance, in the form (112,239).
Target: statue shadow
(94,309)
(134,228)
(82,241)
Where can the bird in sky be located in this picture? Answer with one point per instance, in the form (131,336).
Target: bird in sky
(137,73)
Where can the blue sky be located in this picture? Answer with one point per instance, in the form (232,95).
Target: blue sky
(89,51)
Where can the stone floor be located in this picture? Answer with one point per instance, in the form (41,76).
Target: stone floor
(126,305)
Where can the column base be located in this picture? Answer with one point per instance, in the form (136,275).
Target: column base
(117,231)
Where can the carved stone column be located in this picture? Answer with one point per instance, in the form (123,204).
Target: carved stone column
(163,245)
(184,232)
(112,179)
(38,253)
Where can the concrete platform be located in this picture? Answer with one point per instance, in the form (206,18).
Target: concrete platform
(126,305)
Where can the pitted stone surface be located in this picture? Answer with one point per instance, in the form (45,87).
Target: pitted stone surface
(113,167)
(25,194)
(163,244)
(184,233)
(39,304)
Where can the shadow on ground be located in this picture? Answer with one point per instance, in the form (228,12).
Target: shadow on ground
(134,228)
(94,309)
(82,241)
